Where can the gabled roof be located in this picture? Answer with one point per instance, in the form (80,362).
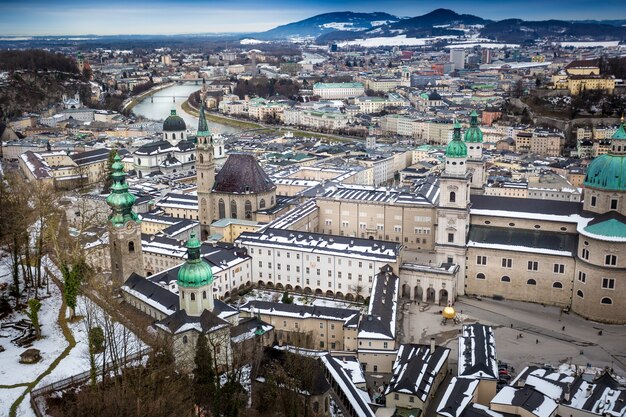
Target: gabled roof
(180,322)
(242,173)
(477,352)
(415,369)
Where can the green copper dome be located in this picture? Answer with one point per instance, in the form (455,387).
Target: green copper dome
(456,148)
(174,123)
(195,272)
(474,134)
(608,172)
(120,200)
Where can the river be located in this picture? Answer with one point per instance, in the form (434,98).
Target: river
(159,106)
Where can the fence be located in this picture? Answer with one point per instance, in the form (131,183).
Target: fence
(83,377)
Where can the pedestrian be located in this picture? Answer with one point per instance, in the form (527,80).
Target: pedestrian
(536,341)
(511,325)
(563,328)
(600,333)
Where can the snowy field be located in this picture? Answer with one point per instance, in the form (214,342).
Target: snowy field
(606,44)
(400,40)
(51,344)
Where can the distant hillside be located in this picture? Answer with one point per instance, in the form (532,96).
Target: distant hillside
(517,30)
(326,23)
(36,60)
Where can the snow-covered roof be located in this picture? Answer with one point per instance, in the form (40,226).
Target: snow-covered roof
(477,352)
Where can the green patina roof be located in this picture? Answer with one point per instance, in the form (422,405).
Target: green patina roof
(456,148)
(608,172)
(120,200)
(195,272)
(620,133)
(608,228)
(474,134)
(203,126)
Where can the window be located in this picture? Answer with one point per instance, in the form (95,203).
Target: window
(185,339)
(613,204)
(193,296)
(559,268)
(322,325)
(480,276)
(233,209)
(452,197)
(580,294)
(610,260)
(204,295)
(531,282)
(582,276)
(248,210)
(594,201)
(608,283)
(262,203)
(221,208)
(505,278)
(131,247)
(585,253)
(533,265)
(606,300)
(481,260)
(385,345)
(450,237)
(557,284)
(411,399)
(321,344)
(507,263)
(396,396)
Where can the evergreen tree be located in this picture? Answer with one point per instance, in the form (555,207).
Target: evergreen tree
(34,305)
(204,374)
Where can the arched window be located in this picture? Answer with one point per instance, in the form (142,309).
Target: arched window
(452,196)
(222,208)
(185,340)
(248,210)
(204,295)
(201,158)
(531,282)
(138,161)
(480,276)
(505,278)
(173,135)
(606,300)
(557,284)
(262,203)
(131,247)
(580,294)
(166,136)
(272,201)
(193,296)
(233,209)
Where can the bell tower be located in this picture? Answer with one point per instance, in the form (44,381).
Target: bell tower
(475,162)
(205,171)
(195,281)
(453,208)
(124,229)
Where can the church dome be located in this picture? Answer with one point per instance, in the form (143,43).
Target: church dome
(456,148)
(608,172)
(174,123)
(434,96)
(120,200)
(474,134)
(195,272)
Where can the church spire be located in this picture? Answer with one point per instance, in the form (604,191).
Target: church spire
(120,200)
(203,126)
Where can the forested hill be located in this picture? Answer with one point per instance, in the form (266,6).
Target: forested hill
(36,60)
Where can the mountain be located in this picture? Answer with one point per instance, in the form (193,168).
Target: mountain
(517,30)
(326,23)
(436,23)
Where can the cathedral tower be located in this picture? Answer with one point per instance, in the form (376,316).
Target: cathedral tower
(205,170)
(195,281)
(124,229)
(475,162)
(453,209)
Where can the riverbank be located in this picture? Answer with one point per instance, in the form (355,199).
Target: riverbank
(133,101)
(260,128)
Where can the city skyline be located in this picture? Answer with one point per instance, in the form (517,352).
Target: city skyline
(71,17)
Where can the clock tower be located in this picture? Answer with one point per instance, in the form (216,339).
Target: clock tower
(124,229)
(205,171)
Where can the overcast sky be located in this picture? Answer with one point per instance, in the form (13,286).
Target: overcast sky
(79,17)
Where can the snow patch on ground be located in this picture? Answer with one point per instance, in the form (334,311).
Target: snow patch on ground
(249,41)
(606,44)
(400,40)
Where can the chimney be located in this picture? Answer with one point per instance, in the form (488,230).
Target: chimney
(432,345)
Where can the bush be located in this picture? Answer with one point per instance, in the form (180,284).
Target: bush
(96,339)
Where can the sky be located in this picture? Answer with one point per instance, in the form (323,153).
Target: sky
(80,17)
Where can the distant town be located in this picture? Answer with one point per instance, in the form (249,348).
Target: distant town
(352,215)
